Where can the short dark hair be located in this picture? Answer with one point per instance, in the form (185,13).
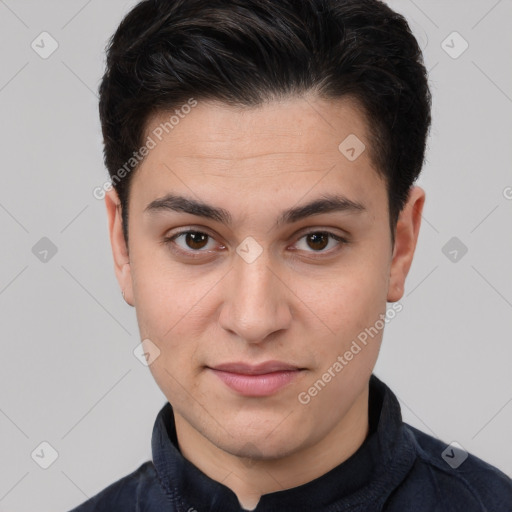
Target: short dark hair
(247,52)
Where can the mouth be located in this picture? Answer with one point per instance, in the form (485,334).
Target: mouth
(260,380)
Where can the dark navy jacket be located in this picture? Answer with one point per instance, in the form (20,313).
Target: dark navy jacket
(397,469)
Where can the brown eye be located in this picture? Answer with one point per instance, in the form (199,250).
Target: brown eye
(195,240)
(317,241)
(189,242)
(320,241)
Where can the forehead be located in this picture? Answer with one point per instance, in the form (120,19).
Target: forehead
(291,143)
(297,124)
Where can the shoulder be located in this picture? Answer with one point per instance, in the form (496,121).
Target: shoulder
(130,493)
(453,479)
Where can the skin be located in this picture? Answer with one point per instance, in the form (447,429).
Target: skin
(286,305)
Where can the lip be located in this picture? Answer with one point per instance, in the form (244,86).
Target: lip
(255,369)
(264,379)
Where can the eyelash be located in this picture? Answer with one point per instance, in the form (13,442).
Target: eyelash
(169,241)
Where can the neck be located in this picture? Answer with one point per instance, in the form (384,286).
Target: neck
(249,481)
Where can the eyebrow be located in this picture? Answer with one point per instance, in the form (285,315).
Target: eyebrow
(327,203)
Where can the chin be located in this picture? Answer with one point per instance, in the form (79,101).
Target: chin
(259,449)
(260,444)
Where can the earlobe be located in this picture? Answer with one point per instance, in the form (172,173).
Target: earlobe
(118,244)
(407,231)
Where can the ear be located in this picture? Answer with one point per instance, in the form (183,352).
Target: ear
(407,231)
(119,247)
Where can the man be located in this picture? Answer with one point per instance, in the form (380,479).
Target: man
(263,156)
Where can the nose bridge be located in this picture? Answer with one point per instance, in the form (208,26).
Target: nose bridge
(256,306)
(254,280)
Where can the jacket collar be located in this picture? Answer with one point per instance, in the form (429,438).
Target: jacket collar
(368,476)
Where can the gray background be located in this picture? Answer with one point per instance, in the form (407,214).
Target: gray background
(68,375)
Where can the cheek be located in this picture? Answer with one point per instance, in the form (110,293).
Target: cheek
(166,296)
(346,305)
(169,314)
(345,356)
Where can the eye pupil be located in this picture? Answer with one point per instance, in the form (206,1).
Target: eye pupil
(322,238)
(196,240)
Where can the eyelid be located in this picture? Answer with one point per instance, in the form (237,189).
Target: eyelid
(335,232)
(169,240)
(341,239)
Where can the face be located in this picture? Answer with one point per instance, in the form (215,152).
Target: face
(252,301)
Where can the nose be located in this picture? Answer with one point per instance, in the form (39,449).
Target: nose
(256,302)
